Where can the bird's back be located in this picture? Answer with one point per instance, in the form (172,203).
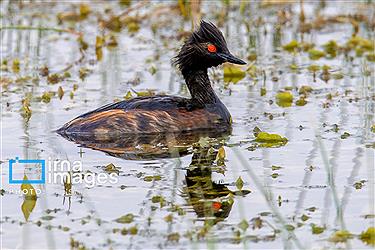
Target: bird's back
(148,115)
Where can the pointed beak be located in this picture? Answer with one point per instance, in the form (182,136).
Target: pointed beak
(231,58)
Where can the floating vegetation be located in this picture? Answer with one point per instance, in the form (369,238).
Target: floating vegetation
(233,73)
(284,99)
(368,236)
(29,200)
(125,219)
(267,140)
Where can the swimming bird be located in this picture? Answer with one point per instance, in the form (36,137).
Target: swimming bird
(205,48)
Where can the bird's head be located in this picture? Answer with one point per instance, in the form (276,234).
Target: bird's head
(205,48)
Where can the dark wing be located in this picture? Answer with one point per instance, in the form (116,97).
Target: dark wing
(146,103)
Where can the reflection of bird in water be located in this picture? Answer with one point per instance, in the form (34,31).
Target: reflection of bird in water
(141,147)
(209,200)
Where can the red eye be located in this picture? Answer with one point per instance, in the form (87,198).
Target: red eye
(211,48)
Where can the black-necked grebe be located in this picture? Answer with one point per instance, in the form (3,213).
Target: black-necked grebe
(205,48)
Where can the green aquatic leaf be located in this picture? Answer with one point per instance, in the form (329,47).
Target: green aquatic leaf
(291,47)
(290,227)
(244,225)
(316,229)
(301,101)
(345,135)
(60,92)
(133,230)
(16,65)
(30,199)
(368,236)
(47,217)
(239,183)
(125,219)
(111,168)
(270,140)
(46,97)
(304,217)
(284,99)
(220,154)
(340,236)
(233,73)
(150,178)
(331,48)
(304,90)
(315,54)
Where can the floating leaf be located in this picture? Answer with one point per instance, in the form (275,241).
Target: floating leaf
(54,78)
(98,47)
(16,66)
(239,183)
(305,90)
(168,218)
(233,73)
(340,236)
(152,70)
(46,97)
(313,68)
(47,217)
(291,47)
(84,10)
(26,111)
(331,48)
(145,93)
(111,168)
(368,237)
(263,91)
(30,198)
(373,128)
(125,219)
(133,230)
(337,76)
(301,101)
(274,168)
(284,99)
(82,43)
(60,92)
(220,154)
(83,72)
(270,140)
(289,227)
(304,217)
(150,178)
(345,135)
(316,229)
(315,54)
(128,96)
(244,225)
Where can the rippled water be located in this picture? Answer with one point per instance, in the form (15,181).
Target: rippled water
(319,181)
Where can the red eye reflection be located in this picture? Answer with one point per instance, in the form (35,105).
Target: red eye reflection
(211,48)
(216,206)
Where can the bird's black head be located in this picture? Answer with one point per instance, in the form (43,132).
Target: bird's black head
(205,48)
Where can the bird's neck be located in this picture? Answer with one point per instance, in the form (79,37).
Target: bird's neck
(200,87)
